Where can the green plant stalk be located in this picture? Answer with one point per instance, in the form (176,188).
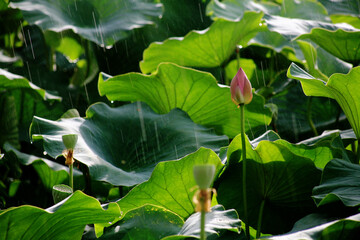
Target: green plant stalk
(242,123)
(202,224)
(238,57)
(261,211)
(71,179)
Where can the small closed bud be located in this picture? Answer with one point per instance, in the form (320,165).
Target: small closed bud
(204,175)
(240,88)
(70,140)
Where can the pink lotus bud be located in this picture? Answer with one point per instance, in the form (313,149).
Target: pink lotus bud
(240,88)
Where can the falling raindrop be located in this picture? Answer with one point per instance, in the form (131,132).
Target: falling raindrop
(32,49)
(28,68)
(87,95)
(142,124)
(201,17)
(176,153)
(72,106)
(157,136)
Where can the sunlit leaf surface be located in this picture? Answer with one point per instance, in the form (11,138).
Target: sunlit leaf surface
(55,222)
(171,185)
(194,92)
(207,48)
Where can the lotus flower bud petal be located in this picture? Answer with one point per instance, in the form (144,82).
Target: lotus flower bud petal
(240,88)
(204,175)
(70,140)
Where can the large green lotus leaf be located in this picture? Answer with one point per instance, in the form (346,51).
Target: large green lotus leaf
(103,22)
(278,43)
(50,172)
(171,184)
(153,222)
(340,181)
(321,150)
(65,220)
(347,228)
(304,9)
(275,175)
(208,48)
(194,92)
(122,145)
(291,28)
(340,43)
(344,88)
(348,7)
(22,100)
(217,221)
(9,81)
(353,21)
(147,222)
(235,9)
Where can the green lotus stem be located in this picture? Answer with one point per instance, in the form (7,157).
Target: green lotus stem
(242,122)
(261,211)
(308,113)
(237,57)
(71,178)
(202,225)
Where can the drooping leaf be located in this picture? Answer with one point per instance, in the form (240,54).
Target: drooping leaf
(235,9)
(179,18)
(50,172)
(304,9)
(348,7)
(171,184)
(192,91)
(153,222)
(291,28)
(217,221)
(320,149)
(343,44)
(103,22)
(278,43)
(347,228)
(122,145)
(10,81)
(340,181)
(208,48)
(344,88)
(352,20)
(146,222)
(320,63)
(275,176)
(65,220)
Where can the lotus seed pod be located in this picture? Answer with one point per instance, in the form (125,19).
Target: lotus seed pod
(60,192)
(70,140)
(204,175)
